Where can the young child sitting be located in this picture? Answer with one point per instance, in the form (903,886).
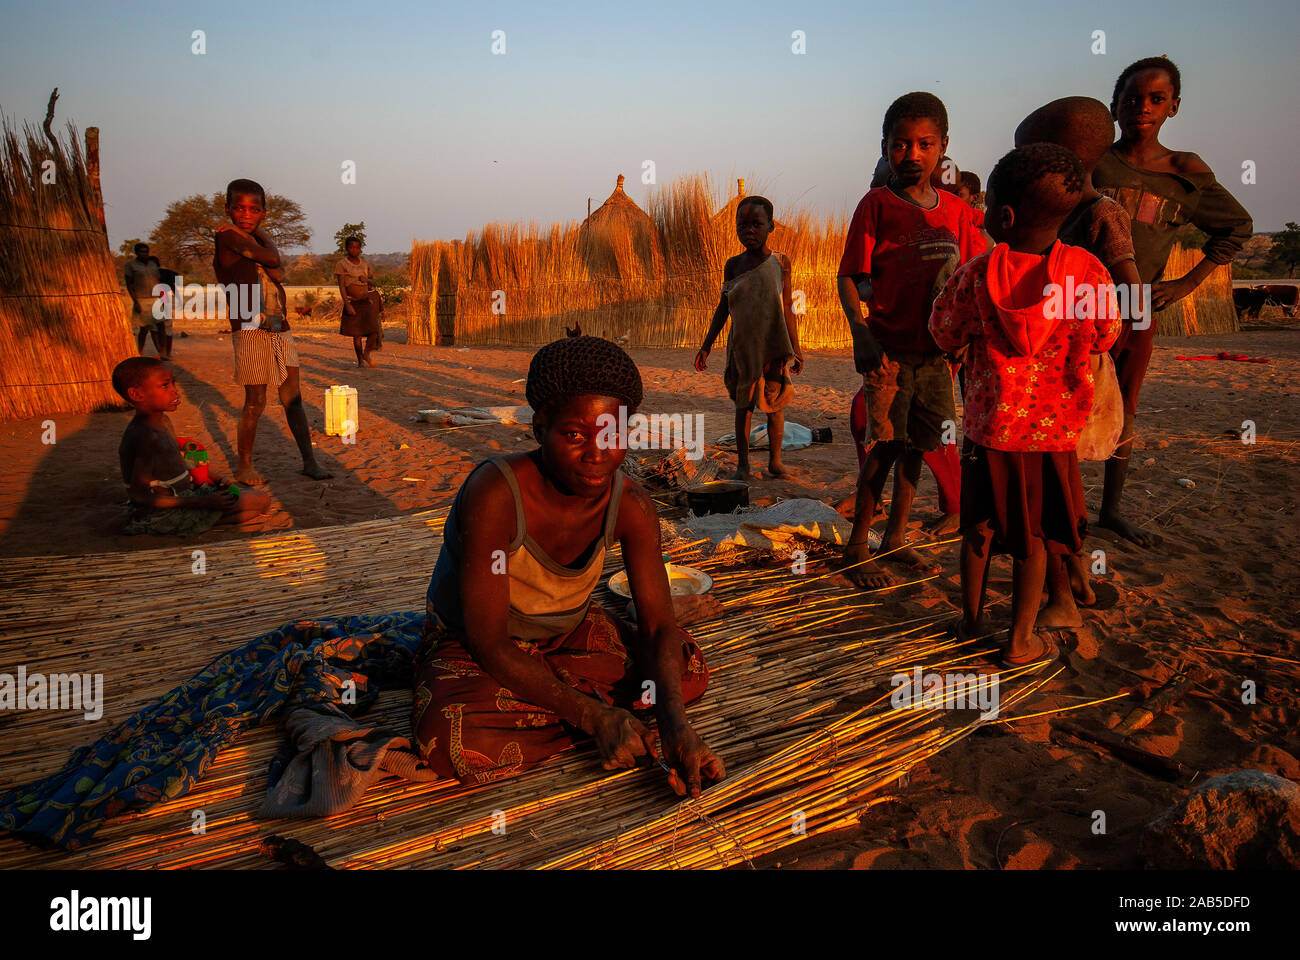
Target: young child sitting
(1084,126)
(1030,383)
(764,334)
(516,658)
(906,238)
(164,499)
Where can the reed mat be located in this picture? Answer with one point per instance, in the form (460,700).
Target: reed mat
(798,709)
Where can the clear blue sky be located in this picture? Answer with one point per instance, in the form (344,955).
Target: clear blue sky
(447,136)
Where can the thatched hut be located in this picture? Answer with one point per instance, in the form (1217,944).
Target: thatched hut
(1209,310)
(725,219)
(63,327)
(618,239)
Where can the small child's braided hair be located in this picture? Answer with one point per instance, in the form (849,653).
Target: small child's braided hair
(1146,63)
(580,365)
(916,105)
(1022,181)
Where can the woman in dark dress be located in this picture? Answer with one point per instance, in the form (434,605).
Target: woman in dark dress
(362,305)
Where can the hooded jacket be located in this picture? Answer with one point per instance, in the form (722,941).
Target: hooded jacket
(1031,320)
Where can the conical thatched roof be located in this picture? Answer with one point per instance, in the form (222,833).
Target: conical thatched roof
(616,233)
(619,211)
(63,322)
(726,215)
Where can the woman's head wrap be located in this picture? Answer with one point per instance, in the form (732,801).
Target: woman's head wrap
(579,365)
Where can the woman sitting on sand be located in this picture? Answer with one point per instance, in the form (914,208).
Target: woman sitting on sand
(515,657)
(362,305)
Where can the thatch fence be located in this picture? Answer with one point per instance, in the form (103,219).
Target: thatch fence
(1209,310)
(653,279)
(62,324)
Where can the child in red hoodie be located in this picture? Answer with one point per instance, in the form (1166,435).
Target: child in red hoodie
(1031,310)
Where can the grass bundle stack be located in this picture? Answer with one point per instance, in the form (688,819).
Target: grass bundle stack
(420,309)
(651,277)
(62,324)
(792,663)
(1209,310)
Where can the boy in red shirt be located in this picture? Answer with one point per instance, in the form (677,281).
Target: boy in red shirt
(1032,310)
(906,238)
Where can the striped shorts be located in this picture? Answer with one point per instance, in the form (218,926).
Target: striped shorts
(263,357)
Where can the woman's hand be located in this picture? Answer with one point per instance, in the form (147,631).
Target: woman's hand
(621,738)
(1166,292)
(796,365)
(347,308)
(690,759)
(701,359)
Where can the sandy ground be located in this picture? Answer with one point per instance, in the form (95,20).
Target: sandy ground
(1004,798)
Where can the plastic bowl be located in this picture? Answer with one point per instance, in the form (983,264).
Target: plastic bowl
(682,581)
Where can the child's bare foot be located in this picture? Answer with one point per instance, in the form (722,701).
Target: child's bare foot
(741,473)
(1080,582)
(977,639)
(316,471)
(778,470)
(863,574)
(246,474)
(965,631)
(904,556)
(943,524)
(1113,521)
(1037,648)
(370,361)
(1062,612)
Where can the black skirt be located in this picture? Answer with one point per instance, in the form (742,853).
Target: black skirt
(1023,498)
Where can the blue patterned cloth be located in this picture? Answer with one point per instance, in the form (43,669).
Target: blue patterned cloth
(162,751)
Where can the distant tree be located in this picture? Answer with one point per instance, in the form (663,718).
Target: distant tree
(183,236)
(1287,249)
(127,249)
(357,230)
(391,287)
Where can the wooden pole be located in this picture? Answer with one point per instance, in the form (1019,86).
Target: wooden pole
(92,168)
(49,115)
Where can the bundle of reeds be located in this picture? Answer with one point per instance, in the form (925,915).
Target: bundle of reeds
(62,323)
(790,662)
(655,286)
(1209,310)
(420,300)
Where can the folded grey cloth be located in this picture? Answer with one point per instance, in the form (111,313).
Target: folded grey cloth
(336,760)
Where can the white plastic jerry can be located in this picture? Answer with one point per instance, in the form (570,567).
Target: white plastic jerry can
(341,411)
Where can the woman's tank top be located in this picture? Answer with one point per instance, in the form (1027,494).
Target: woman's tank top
(547,599)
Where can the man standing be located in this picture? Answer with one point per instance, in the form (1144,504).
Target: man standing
(141,276)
